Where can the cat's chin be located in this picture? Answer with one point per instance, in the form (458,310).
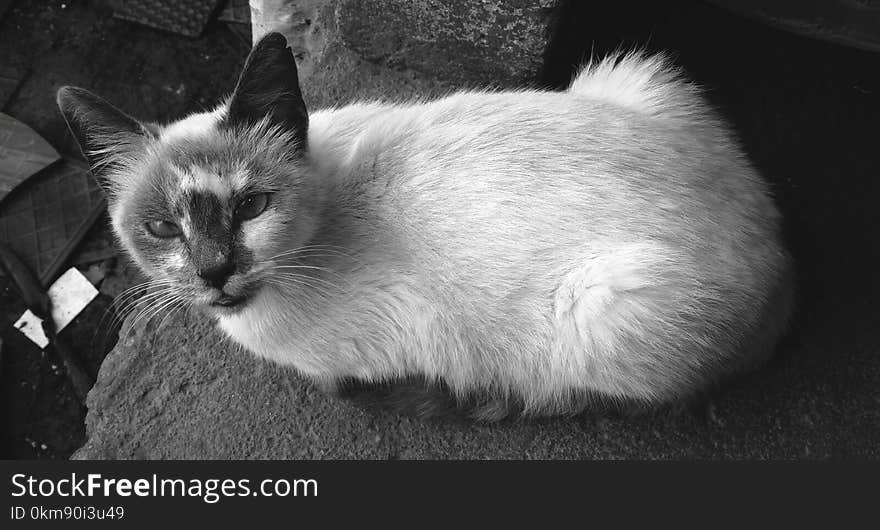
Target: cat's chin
(230,301)
(230,304)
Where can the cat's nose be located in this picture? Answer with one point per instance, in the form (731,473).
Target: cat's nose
(217,275)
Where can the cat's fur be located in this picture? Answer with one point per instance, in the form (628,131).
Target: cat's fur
(525,250)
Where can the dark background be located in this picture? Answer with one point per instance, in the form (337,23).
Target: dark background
(807,111)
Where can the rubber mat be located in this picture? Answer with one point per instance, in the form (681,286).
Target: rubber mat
(45,218)
(22,153)
(185,17)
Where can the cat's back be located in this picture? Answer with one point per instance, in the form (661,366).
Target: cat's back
(629,157)
(626,125)
(630,146)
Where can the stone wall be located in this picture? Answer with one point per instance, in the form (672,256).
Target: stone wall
(392,49)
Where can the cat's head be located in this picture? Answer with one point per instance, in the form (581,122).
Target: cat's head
(206,204)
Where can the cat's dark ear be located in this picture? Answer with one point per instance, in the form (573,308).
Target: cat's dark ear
(102,131)
(269,86)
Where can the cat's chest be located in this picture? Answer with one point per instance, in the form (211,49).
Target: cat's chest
(263,334)
(365,335)
(315,343)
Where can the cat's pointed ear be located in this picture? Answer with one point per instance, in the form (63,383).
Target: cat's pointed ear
(104,133)
(269,86)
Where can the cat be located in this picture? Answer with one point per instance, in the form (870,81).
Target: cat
(500,253)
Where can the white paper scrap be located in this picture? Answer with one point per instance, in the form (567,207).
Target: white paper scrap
(70,294)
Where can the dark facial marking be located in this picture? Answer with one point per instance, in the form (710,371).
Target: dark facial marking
(210,242)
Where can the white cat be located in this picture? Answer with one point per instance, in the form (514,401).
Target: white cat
(527,251)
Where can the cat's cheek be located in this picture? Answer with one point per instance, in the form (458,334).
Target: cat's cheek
(174,261)
(150,257)
(259,234)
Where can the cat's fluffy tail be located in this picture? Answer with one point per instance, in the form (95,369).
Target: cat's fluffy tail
(649,84)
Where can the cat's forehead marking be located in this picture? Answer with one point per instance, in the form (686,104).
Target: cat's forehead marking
(197,179)
(238,178)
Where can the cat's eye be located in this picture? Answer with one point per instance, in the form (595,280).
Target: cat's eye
(163,229)
(251,206)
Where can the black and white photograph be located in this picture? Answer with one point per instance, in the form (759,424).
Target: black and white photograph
(438,230)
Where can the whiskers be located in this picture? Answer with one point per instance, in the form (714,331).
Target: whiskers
(285,280)
(298,268)
(312,251)
(146,301)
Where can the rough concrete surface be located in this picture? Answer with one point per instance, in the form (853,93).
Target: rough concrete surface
(804,110)
(183,391)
